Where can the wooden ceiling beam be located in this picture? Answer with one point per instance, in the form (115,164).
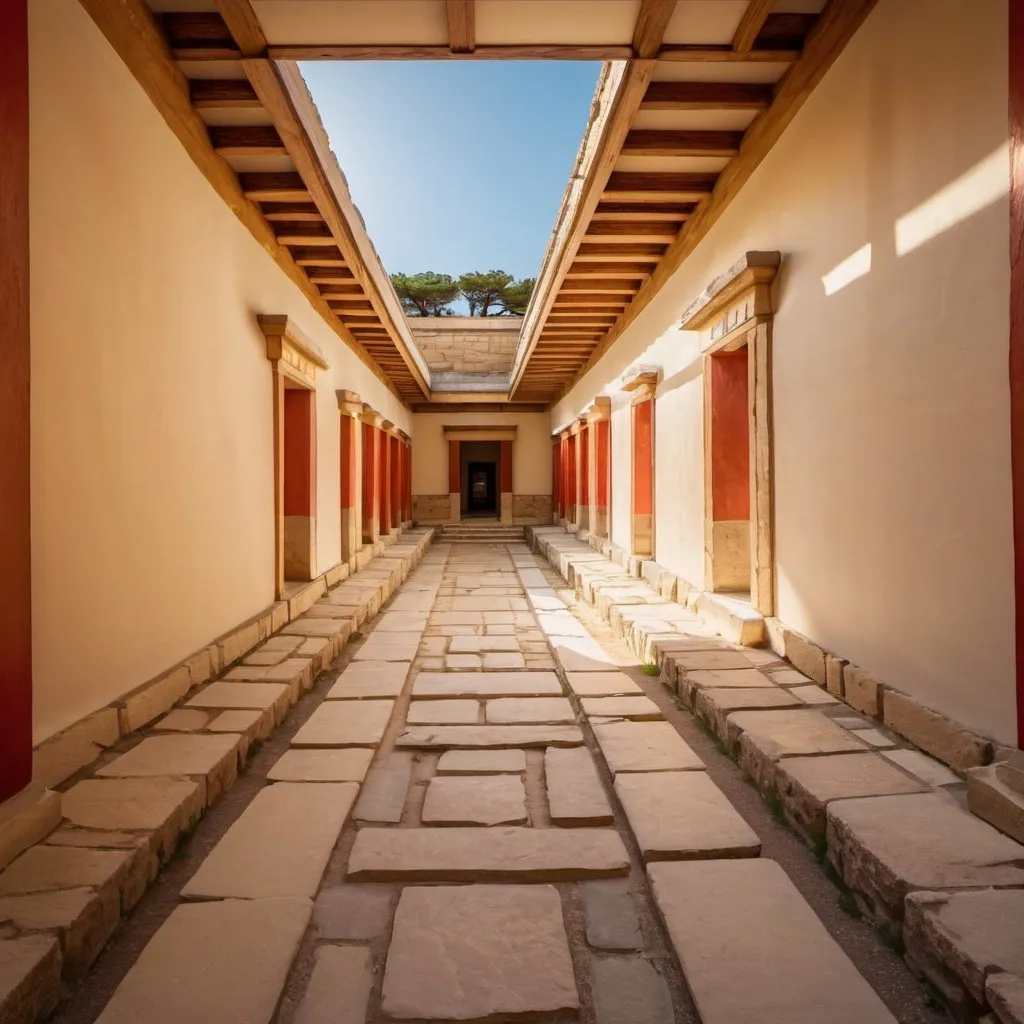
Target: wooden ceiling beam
(338,276)
(658,186)
(538,51)
(632,231)
(303,232)
(290,211)
(707,96)
(649,30)
(209,93)
(244,26)
(718,53)
(826,41)
(596,270)
(274,185)
(751,24)
(651,142)
(461,16)
(611,251)
(643,211)
(573,286)
(247,140)
(198,35)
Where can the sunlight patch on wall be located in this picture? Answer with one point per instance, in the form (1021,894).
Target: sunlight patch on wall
(854,266)
(987,181)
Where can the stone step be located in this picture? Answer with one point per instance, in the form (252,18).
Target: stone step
(683,816)
(221,961)
(995,793)
(279,846)
(751,949)
(500,854)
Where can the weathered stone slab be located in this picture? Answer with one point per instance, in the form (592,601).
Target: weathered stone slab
(602,684)
(345,765)
(886,847)
(211,759)
(612,920)
(927,729)
(958,939)
(489,736)
(279,846)
(526,710)
(479,952)
(370,679)
(715,706)
(180,720)
(29,978)
(485,684)
(83,920)
(575,793)
(401,622)
(805,655)
(251,724)
(481,762)
(226,960)
(1005,994)
(806,785)
(500,854)
(683,816)
(637,708)
(296,672)
(707,660)
(383,794)
(345,723)
(927,769)
(254,696)
(583,654)
(993,800)
(645,747)
(165,807)
(444,712)
(629,990)
(742,678)
(330,627)
(477,644)
(485,800)
(339,989)
(743,932)
(766,736)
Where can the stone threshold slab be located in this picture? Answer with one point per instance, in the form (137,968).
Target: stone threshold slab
(485,684)
(486,854)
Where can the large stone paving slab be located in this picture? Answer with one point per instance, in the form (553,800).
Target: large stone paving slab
(637,708)
(529,710)
(29,977)
(629,990)
(584,654)
(500,854)
(602,684)
(683,816)
(213,759)
(479,952)
(806,785)
(484,800)
(213,962)
(383,794)
(279,846)
(485,684)
(481,762)
(645,747)
(466,737)
(752,950)
(345,765)
(964,937)
(715,706)
(885,847)
(370,679)
(275,697)
(345,723)
(456,711)
(575,793)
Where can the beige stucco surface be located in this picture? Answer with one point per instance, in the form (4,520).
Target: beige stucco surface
(531,452)
(892,500)
(152,462)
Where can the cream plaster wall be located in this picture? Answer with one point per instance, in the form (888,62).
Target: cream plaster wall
(152,460)
(892,497)
(531,453)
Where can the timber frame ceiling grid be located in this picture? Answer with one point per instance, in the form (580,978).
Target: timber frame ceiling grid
(696,94)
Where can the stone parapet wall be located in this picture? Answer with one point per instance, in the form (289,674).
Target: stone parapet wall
(467,343)
(531,508)
(431,508)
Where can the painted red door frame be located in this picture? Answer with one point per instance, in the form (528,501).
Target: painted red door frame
(1016,113)
(15,556)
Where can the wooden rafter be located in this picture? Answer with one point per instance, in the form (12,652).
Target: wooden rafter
(244,26)
(461,15)
(751,24)
(651,21)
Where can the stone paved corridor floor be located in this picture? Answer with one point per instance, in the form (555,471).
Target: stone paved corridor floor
(491,815)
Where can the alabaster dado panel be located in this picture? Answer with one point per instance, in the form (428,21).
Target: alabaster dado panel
(528,508)
(431,508)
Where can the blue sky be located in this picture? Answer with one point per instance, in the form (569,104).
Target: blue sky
(456,165)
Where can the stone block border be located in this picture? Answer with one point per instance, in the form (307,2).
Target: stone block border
(82,867)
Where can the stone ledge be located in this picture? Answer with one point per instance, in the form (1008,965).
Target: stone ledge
(25,819)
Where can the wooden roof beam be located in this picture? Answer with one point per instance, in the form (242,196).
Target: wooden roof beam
(751,24)
(707,96)
(651,22)
(654,185)
(651,142)
(243,26)
(247,140)
(207,93)
(461,15)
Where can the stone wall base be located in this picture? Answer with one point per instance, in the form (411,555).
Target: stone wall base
(26,818)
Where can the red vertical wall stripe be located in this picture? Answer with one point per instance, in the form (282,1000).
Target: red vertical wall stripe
(506,467)
(643,491)
(15,554)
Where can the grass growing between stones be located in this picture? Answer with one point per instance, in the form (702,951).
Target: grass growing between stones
(649,668)
(354,638)
(705,727)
